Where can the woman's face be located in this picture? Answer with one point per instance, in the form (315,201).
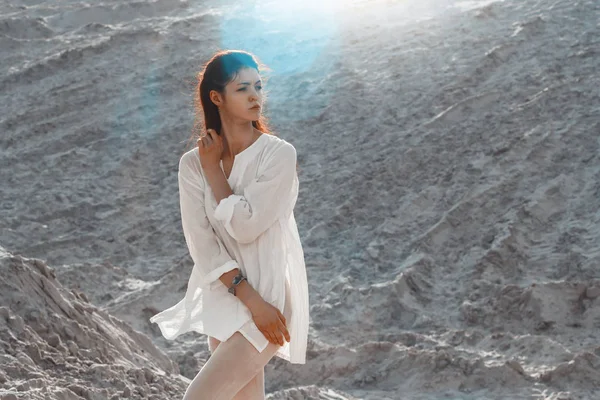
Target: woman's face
(243,93)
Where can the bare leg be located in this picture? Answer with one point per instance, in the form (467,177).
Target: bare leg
(255,389)
(235,369)
(232,366)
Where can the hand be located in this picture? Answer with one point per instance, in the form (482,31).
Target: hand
(210,149)
(270,321)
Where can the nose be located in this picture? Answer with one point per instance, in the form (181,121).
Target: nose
(253,95)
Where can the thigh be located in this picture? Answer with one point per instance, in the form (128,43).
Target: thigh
(232,365)
(255,388)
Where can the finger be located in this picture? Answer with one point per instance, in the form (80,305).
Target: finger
(278,339)
(282,317)
(268,336)
(274,331)
(284,331)
(210,133)
(279,330)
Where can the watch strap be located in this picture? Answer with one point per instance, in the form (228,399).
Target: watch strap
(239,278)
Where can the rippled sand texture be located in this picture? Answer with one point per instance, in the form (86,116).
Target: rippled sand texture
(449,204)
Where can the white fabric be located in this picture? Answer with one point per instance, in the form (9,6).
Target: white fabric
(254,230)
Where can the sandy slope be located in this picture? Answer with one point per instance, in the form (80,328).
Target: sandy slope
(450,184)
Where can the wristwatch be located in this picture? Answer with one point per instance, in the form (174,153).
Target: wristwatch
(236,281)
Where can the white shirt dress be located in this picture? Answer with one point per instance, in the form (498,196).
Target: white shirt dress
(254,230)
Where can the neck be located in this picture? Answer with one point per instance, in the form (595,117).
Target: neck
(236,137)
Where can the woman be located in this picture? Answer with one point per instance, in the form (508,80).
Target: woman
(248,289)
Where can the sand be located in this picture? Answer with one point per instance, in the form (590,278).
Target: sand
(448,207)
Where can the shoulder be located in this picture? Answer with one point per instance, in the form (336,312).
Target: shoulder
(189,163)
(279,150)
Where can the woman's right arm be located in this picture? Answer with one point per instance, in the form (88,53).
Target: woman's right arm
(210,256)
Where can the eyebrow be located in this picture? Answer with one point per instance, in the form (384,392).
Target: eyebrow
(247,83)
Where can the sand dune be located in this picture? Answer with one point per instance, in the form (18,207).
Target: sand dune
(448,207)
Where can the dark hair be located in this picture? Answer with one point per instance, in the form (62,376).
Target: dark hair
(216,73)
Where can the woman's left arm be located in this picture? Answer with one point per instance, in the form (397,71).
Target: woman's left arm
(265,199)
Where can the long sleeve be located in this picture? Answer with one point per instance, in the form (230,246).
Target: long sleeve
(265,199)
(210,256)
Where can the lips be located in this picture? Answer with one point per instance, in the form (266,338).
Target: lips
(255,108)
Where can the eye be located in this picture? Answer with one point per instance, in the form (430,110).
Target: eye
(243,89)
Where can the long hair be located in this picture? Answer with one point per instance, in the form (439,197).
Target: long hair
(216,73)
